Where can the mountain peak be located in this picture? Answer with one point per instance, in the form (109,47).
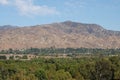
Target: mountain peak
(74,24)
(69,22)
(77,27)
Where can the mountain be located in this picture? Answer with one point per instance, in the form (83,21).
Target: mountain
(59,35)
(7,27)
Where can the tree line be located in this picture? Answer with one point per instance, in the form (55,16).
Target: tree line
(52,50)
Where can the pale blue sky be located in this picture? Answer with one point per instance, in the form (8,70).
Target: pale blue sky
(33,12)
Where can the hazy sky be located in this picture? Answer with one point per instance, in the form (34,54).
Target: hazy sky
(32,12)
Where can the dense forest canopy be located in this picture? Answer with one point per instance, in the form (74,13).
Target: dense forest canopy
(106,68)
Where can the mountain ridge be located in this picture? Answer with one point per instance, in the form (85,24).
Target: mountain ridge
(59,35)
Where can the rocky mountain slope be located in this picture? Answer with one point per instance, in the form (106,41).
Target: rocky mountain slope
(59,35)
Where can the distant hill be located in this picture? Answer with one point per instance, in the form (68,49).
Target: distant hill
(7,27)
(59,35)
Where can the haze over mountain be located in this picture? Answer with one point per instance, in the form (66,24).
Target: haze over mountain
(59,35)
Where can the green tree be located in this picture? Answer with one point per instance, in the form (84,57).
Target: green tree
(41,75)
(103,70)
(62,75)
